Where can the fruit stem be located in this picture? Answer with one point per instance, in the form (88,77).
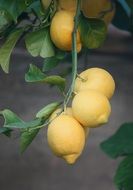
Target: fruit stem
(74,54)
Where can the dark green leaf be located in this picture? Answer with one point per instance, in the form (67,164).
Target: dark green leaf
(38,43)
(47,110)
(5,131)
(122,17)
(121,143)
(52,62)
(93,32)
(26,139)
(130,4)
(36,75)
(15,7)
(6,49)
(124,175)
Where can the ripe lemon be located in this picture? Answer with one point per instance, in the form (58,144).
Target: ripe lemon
(46,3)
(66,138)
(91,108)
(93,8)
(61,31)
(97,79)
(69,5)
(68,111)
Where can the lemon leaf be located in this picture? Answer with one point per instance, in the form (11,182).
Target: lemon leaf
(38,43)
(93,32)
(26,139)
(124,174)
(121,143)
(47,110)
(6,49)
(15,7)
(36,75)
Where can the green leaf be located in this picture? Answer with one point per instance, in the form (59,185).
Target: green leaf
(124,174)
(122,17)
(26,139)
(24,125)
(5,131)
(130,4)
(6,49)
(9,118)
(15,7)
(121,143)
(93,32)
(39,43)
(36,75)
(52,62)
(47,110)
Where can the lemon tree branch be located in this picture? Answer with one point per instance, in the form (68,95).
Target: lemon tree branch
(74,54)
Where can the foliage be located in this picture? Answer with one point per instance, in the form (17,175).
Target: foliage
(121,145)
(30,21)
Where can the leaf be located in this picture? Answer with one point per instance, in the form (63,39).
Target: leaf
(5,131)
(93,32)
(26,139)
(47,110)
(121,143)
(52,62)
(9,118)
(24,125)
(36,75)
(6,49)
(122,17)
(124,174)
(38,43)
(15,7)
(130,4)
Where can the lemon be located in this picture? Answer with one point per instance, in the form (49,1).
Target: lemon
(66,138)
(91,108)
(67,5)
(96,79)
(68,111)
(93,8)
(61,30)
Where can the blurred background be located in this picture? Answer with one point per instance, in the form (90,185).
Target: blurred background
(38,168)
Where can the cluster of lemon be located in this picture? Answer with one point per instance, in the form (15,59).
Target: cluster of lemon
(63,21)
(91,108)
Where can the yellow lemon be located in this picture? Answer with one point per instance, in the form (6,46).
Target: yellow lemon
(61,31)
(93,8)
(96,79)
(66,138)
(68,111)
(69,5)
(46,3)
(91,108)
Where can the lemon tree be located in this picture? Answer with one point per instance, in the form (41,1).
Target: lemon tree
(56,30)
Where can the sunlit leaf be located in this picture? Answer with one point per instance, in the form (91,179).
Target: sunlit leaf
(38,43)
(47,110)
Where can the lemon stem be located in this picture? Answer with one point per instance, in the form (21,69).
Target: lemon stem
(74,54)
